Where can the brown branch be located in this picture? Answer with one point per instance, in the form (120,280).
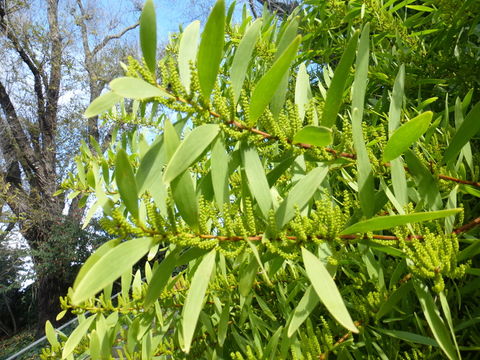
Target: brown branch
(109,38)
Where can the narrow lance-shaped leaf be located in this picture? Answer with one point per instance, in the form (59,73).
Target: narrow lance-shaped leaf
(387,222)
(307,304)
(303,93)
(219,162)
(257,179)
(406,135)
(243,56)
(435,322)
(313,135)
(190,149)
(110,267)
(148,35)
(366,188)
(150,170)
(102,103)
(268,84)
(300,195)
(399,180)
(137,89)
(194,301)
(468,129)
(327,290)
(127,186)
(76,336)
(211,49)
(187,52)
(335,91)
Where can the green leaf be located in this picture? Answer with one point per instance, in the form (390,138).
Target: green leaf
(366,186)
(51,334)
(268,84)
(426,184)
(187,52)
(243,56)
(327,290)
(92,259)
(303,93)
(387,222)
(393,299)
(435,322)
(127,186)
(300,195)
(257,180)
(303,310)
(148,35)
(219,163)
(408,337)
(396,102)
(183,188)
(194,301)
(76,336)
(313,135)
(468,129)
(337,87)
(101,104)
(110,267)
(406,135)
(211,49)
(160,276)
(223,323)
(137,89)
(190,149)
(149,172)
(248,273)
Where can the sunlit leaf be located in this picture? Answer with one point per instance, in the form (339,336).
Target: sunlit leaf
(327,290)
(76,336)
(148,35)
(190,149)
(387,222)
(101,104)
(110,267)
(138,89)
(313,135)
(243,56)
(267,85)
(211,49)
(187,52)
(406,135)
(194,301)
(335,91)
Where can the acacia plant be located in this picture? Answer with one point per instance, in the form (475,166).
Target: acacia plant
(267,218)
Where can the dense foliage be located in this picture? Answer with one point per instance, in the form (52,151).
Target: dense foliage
(288,199)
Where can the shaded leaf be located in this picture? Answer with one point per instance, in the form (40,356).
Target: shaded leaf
(302,311)
(468,129)
(300,195)
(127,186)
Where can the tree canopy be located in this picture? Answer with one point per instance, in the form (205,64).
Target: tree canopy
(292,188)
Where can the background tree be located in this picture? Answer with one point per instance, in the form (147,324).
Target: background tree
(33,122)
